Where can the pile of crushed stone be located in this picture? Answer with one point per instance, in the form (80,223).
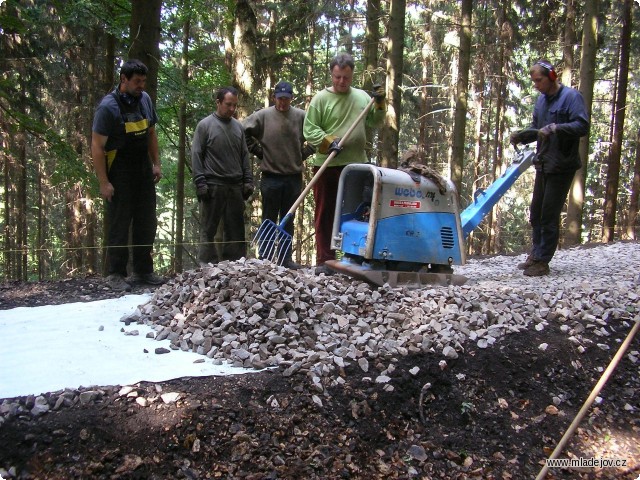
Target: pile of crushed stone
(255,314)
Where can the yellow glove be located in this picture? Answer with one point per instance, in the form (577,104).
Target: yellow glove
(379,94)
(327,143)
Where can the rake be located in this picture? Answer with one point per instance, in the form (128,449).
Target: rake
(273,241)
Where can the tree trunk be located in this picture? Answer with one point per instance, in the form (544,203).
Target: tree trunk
(632,221)
(573,234)
(479,107)
(92,226)
(243,54)
(569,42)
(302,218)
(493,239)
(73,227)
(7,235)
(89,206)
(272,54)
(309,84)
(460,115)
(110,77)
(371,43)
(76,138)
(424,99)
(182,148)
(395,49)
(22,240)
(40,224)
(145,40)
(108,82)
(613,171)
(479,144)
(347,24)
(429,99)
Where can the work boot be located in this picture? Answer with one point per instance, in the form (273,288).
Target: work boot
(527,263)
(537,269)
(323,269)
(117,283)
(148,278)
(290,264)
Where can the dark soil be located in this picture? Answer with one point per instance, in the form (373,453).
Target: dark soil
(487,415)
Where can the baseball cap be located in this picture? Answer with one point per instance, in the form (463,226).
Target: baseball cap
(283,89)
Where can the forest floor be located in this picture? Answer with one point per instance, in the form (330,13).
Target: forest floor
(497,424)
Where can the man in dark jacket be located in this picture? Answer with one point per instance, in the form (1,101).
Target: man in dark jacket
(559,120)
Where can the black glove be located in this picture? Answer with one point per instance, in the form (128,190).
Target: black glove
(247,191)
(334,147)
(378,94)
(307,151)
(546,131)
(527,135)
(202,192)
(515,138)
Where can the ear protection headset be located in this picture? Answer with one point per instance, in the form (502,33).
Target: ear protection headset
(551,72)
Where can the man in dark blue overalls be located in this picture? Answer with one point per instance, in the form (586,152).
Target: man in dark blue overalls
(124,147)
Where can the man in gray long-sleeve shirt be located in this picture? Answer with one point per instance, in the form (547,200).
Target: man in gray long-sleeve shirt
(274,135)
(223,179)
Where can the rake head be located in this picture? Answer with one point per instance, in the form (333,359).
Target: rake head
(273,242)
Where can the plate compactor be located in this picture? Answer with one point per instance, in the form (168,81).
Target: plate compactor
(404,228)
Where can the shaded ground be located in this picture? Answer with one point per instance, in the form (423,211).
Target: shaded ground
(489,414)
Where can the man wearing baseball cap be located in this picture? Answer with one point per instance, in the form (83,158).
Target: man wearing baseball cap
(274,135)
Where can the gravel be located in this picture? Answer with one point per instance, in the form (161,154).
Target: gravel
(254,314)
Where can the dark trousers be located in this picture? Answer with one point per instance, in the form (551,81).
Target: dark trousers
(549,194)
(325,192)
(225,204)
(133,205)
(279,193)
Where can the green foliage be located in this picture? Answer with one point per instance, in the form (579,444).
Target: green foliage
(113,16)
(10,24)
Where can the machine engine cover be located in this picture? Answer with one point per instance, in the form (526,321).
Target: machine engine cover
(384,214)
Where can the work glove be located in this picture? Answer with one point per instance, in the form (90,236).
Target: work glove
(247,191)
(329,144)
(307,151)
(379,95)
(202,192)
(546,131)
(527,135)
(334,147)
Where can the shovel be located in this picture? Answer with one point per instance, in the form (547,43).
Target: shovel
(274,242)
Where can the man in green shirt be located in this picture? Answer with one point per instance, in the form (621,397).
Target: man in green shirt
(331,112)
